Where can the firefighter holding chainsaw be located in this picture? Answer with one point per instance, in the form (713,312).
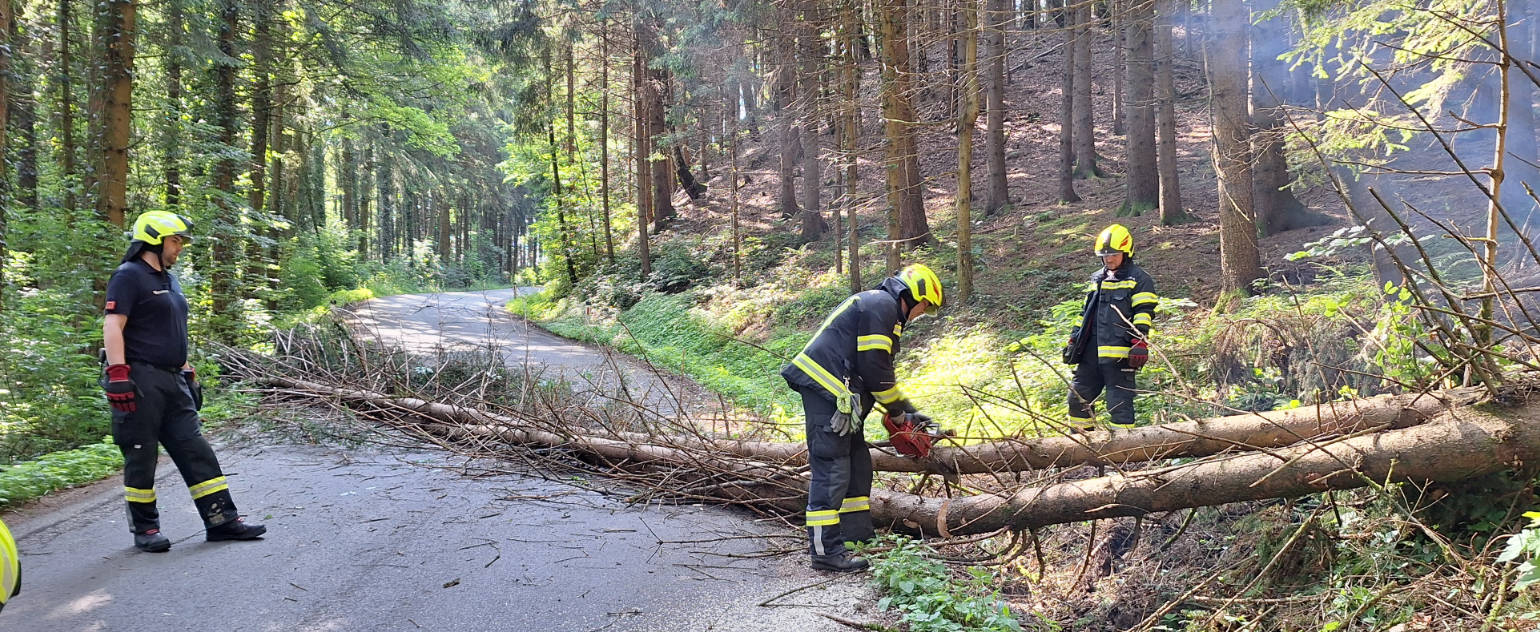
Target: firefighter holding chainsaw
(154,391)
(1111,343)
(844,371)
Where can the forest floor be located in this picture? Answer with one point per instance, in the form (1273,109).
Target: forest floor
(365,537)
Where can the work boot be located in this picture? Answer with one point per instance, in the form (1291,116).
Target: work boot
(840,562)
(236,530)
(152,541)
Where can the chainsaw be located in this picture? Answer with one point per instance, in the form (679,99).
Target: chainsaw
(913,437)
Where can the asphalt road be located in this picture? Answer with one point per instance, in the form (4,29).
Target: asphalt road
(388,539)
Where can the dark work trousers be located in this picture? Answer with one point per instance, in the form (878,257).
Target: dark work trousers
(1091,378)
(838,507)
(165,416)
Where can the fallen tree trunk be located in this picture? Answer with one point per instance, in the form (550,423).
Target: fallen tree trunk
(1205,437)
(1459,445)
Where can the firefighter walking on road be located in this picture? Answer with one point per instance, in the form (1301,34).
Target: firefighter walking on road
(844,371)
(154,391)
(1111,343)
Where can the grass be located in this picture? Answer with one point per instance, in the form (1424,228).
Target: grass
(54,471)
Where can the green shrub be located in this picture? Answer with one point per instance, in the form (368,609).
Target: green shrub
(924,593)
(32,479)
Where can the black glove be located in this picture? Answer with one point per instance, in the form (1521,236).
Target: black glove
(122,393)
(191,377)
(921,420)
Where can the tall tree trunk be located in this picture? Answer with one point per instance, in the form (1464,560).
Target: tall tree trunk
(907,225)
(1122,60)
(604,136)
(114,36)
(66,111)
(1143,180)
(1240,262)
(996,194)
(347,180)
(1277,209)
(1171,211)
(810,50)
(851,124)
(783,91)
(258,251)
(1068,18)
(384,183)
(1085,122)
(640,150)
(225,286)
(8,41)
(171,121)
(24,116)
(656,90)
(968,114)
(556,192)
(261,102)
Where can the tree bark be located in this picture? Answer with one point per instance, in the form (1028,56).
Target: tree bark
(1277,209)
(604,136)
(1171,211)
(1240,262)
(7,43)
(641,147)
(1085,122)
(967,118)
(24,117)
(655,91)
(907,224)
(996,193)
(1117,11)
(225,286)
(851,125)
(66,111)
(1067,18)
(171,120)
(113,99)
(1456,447)
(1143,179)
(810,51)
(1456,444)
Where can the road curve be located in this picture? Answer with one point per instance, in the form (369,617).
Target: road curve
(389,539)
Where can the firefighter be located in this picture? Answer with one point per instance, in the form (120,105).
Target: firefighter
(10,566)
(844,371)
(154,391)
(1115,327)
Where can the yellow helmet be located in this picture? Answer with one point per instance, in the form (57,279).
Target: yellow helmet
(10,566)
(1113,240)
(153,226)
(922,283)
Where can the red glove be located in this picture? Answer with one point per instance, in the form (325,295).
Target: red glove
(1138,354)
(122,393)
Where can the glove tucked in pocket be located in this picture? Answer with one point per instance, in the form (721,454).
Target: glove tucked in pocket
(845,420)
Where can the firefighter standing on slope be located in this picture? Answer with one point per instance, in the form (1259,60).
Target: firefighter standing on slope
(1115,326)
(153,389)
(842,372)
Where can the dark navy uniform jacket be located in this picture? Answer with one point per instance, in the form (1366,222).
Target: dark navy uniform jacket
(853,351)
(156,332)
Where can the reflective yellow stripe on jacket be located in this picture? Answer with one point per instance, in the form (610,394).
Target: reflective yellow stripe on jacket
(1145,298)
(874,342)
(1119,285)
(888,396)
(819,375)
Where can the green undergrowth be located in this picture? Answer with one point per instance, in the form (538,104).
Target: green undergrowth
(54,471)
(928,598)
(988,376)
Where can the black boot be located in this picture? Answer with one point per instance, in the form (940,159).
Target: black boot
(840,562)
(152,541)
(236,529)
